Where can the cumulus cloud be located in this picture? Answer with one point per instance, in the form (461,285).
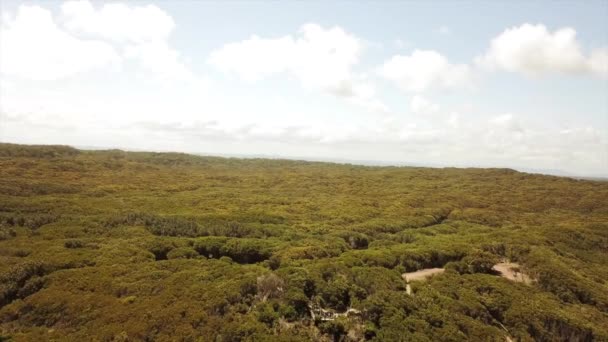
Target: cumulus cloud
(142,32)
(84,37)
(159,58)
(362,93)
(118,22)
(39,46)
(534,50)
(424,69)
(421,105)
(34,47)
(317,57)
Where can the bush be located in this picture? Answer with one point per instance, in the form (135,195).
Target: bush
(267,314)
(355,240)
(336,294)
(298,301)
(7,233)
(226,259)
(246,251)
(476,262)
(270,286)
(160,248)
(73,244)
(335,329)
(182,253)
(157,225)
(32,221)
(16,282)
(210,247)
(242,251)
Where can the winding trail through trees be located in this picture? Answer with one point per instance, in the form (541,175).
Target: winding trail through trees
(419,275)
(507,270)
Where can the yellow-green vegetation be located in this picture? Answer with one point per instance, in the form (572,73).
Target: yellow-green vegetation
(116,246)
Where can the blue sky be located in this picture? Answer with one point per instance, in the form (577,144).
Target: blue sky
(507,84)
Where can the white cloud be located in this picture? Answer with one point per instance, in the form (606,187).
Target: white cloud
(255,58)
(159,58)
(34,47)
(598,62)
(372,105)
(183,116)
(507,122)
(37,46)
(363,94)
(420,105)
(454,120)
(142,32)
(118,22)
(317,57)
(424,69)
(534,50)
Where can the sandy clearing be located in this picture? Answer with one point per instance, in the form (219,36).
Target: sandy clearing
(510,271)
(421,274)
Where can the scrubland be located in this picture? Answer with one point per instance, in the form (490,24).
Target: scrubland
(133,246)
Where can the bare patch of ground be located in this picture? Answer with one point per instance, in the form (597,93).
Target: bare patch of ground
(512,271)
(421,274)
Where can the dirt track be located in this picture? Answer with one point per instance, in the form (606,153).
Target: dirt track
(421,274)
(510,270)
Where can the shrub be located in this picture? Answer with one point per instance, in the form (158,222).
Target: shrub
(7,233)
(355,240)
(32,221)
(334,328)
(242,251)
(182,253)
(476,262)
(246,251)
(298,301)
(210,246)
(14,283)
(267,314)
(160,248)
(270,286)
(226,259)
(73,244)
(480,262)
(336,294)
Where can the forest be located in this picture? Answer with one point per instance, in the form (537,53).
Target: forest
(142,246)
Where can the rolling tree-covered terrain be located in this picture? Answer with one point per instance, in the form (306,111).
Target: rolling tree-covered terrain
(134,246)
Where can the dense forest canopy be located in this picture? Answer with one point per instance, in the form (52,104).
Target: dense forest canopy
(131,246)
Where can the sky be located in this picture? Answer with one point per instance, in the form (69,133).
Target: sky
(511,84)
